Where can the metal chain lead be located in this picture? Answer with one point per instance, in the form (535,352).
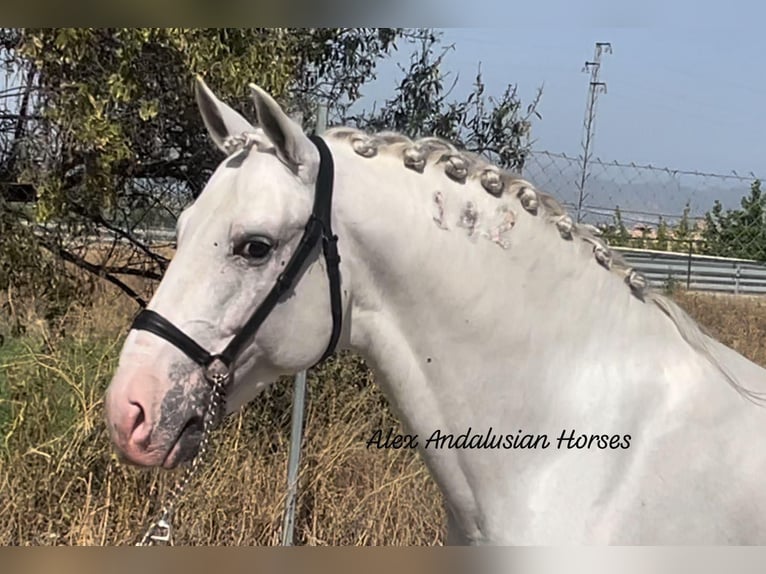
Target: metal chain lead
(162,529)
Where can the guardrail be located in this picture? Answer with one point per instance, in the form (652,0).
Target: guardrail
(698,272)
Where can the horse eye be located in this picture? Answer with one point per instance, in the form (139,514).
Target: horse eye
(255,249)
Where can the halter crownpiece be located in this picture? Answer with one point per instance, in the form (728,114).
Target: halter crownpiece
(317,227)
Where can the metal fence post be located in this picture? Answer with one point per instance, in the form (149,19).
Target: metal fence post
(689,266)
(299,406)
(296,436)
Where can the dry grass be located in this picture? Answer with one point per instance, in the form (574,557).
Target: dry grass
(738,321)
(59,483)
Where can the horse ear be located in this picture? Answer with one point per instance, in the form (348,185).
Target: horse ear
(220,120)
(292,145)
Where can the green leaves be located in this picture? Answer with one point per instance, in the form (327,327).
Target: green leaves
(498,128)
(120,145)
(738,233)
(666,237)
(119,100)
(148,110)
(111,139)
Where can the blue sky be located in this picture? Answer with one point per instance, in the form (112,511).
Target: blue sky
(686,88)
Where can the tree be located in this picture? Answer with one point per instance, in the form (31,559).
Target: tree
(616,234)
(738,233)
(498,128)
(109,138)
(662,240)
(113,143)
(118,103)
(683,232)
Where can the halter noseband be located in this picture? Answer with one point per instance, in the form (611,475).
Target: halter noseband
(318,227)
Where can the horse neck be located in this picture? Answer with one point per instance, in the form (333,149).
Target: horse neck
(468,336)
(455,311)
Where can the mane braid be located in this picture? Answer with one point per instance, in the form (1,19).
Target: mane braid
(462,165)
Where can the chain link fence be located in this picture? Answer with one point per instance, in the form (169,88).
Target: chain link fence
(637,206)
(648,207)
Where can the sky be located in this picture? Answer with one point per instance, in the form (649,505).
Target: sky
(685,89)
(686,86)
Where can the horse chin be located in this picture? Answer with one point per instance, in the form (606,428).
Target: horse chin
(242,394)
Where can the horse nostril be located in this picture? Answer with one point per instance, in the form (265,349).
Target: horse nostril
(136,431)
(140,416)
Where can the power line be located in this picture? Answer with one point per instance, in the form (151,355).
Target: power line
(595,86)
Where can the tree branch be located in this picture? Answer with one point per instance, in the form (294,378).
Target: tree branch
(95,269)
(113,270)
(97,218)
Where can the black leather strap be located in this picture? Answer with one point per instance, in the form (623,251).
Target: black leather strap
(323,211)
(319,226)
(284,283)
(332,258)
(153,322)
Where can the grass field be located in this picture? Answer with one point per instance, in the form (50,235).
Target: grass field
(60,484)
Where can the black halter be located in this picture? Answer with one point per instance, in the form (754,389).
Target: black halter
(318,227)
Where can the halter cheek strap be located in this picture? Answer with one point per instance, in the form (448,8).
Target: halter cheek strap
(318,227)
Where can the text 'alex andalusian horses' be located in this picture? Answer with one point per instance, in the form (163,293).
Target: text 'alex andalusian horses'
(554,398)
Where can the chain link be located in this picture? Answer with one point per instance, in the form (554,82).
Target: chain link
(650,207)
(161,531)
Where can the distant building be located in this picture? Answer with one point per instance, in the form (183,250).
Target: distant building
(648,231)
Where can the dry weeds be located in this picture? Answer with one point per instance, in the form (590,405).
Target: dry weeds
(60,484)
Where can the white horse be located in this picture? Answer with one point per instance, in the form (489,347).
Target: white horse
(486,314)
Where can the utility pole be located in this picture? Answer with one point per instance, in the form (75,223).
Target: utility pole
(595,86)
